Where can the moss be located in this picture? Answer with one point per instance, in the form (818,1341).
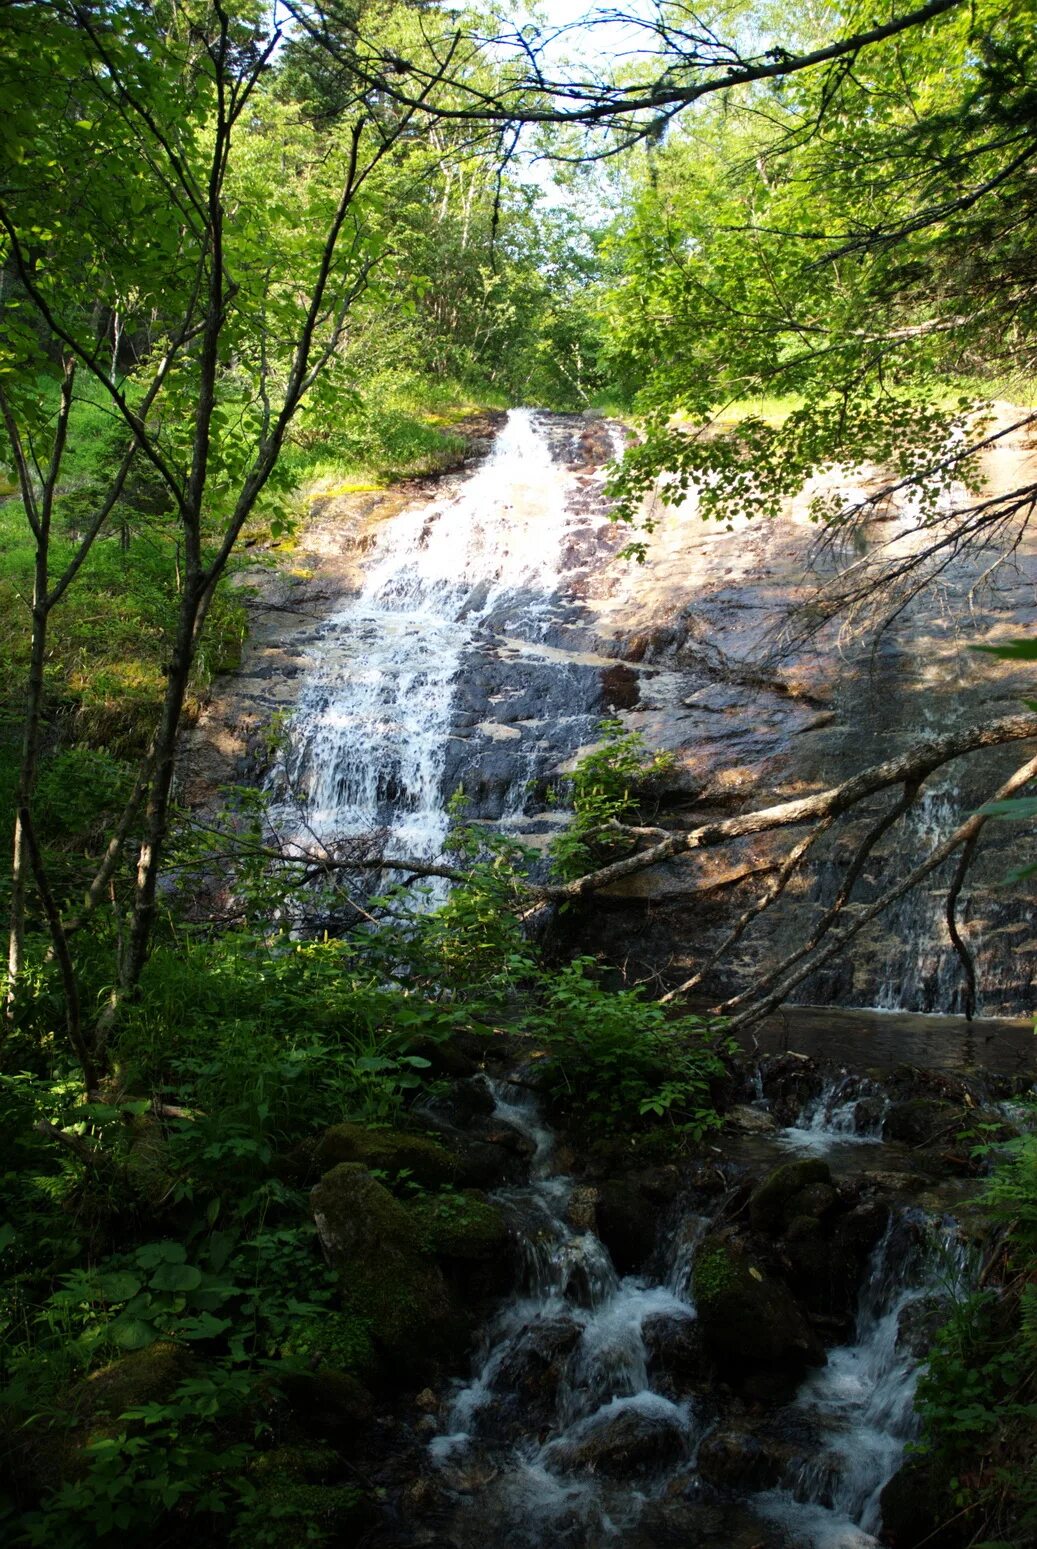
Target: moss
(142,1377)
(712,1274)
(336,1339)
(288,1508)
(386,1275)
(387,1151)
(459,1225)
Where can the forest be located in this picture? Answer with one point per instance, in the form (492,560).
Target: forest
(517,753)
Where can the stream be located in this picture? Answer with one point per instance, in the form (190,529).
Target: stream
(575,1428)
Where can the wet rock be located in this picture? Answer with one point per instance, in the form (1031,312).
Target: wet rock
(921,1121)
(916,1511)
(743,1458)
(579,1212)
(532,1371)
(688,1525)
(387,1151)
(626,1221)
(385,1273)
(462,1103)
(774,1202)
(678,1362)
(751,1121)
(919,1323)
(748,1317)
(626,1444)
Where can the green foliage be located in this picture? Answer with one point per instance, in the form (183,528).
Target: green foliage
(160,1458)
(619,1059)
(607,787)
(976,1396)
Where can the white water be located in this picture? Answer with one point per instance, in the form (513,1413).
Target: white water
(863,1399)
(535,1486)
(568,1279)
(848,1109)
(369,739)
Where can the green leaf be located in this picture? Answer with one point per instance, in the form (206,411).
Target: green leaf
(118,1285)
(134,1334)
(176,1277)
(160,1253)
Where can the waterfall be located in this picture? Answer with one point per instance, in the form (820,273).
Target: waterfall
(479,572)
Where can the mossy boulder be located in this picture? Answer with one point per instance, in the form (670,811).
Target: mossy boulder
(787,1192)
(748,1317)
(469,1238)
(386,1274)
(392,1152)
(147,1376)
(920,1121)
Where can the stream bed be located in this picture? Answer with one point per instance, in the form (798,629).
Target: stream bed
(648,1404)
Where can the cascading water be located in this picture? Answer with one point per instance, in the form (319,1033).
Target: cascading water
(862,1400)
(563,1435)
(547,1443)
(482,570)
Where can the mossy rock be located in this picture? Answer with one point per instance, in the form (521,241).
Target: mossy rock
(386,1274)
(460,1226)
(335,1340)
(772,1203)
(147,1376)
(290,1508)
(920,1121)
(387,1151)
(748,1317)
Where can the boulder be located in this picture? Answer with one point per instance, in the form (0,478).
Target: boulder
(387,1151)
(678,1362)
(146,1376)
(774,1202)
(917,1508)
(530,1375)
(921,1121)
(626,1221)
(691,1525)
(468,1236)
(748,1317)
(386,1274)
(626,1443)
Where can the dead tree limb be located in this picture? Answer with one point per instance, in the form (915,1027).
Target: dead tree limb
(786,871)
(963,834)
(867,844)
(915,764)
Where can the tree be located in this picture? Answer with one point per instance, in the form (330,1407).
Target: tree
(230,242)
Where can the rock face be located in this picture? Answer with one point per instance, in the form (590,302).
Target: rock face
(683,650)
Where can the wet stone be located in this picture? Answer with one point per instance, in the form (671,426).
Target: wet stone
(627,1444)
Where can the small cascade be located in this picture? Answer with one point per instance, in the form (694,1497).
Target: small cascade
(848,1108)
(564,1434)
(862,1401)
(561,1387)
(923,972)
